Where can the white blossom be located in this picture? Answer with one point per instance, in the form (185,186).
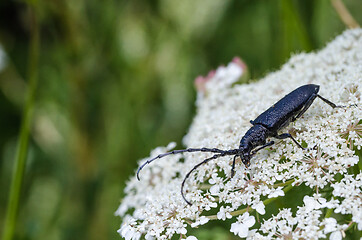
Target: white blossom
(191,238)
(336,235)
(154,208)
(259,207)
(129,233)
(330,225)
(276,193)
(241,227)
(349,189)
(201,221)
(224,213)
(307,223)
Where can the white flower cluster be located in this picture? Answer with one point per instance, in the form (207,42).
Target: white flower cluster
(307,224)
(349,190)
(154,208)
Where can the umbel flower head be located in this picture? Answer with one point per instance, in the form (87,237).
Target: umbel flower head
(330,168)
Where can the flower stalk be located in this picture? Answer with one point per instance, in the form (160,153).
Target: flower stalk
(22,147)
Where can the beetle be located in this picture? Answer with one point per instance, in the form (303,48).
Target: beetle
(267,124)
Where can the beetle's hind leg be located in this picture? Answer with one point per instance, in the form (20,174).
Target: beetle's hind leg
(310,101)
(329,102)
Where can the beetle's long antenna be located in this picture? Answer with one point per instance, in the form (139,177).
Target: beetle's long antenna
(193,169)
(214,150)
(224,153)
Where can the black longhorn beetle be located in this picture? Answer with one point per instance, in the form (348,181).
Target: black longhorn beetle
(266,125)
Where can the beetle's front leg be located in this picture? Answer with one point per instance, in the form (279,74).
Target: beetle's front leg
(233,166)
(287,135)
(264,146)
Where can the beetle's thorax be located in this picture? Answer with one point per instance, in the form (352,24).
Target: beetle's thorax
(254,137)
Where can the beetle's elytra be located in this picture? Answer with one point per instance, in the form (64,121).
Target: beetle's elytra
(266,125)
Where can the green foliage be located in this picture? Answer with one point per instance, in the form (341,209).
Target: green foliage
(115,79)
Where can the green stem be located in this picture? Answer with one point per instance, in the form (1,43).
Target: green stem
(22,147)
(344,14)
(282,184)
(328,213)
(350,226)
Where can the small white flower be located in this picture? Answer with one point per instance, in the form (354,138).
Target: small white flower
(330,225)
(276,193)
(191,238)
(241,227)
(315,202)
(202,220)
(129,233)
(217,181)
(336,236)
(259,207)
(224,213)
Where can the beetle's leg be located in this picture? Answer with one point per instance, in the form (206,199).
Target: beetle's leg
(287,135)
(264,146)
(329,102)
(310,101)
(233,166)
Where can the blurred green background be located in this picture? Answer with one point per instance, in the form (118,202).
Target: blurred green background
(115,79)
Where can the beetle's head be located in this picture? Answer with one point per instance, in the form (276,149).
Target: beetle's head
(245,157)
